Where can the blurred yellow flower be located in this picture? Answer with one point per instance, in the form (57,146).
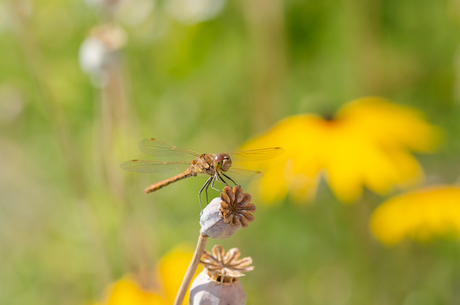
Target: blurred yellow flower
(368,143)
(420,215)
(159,289)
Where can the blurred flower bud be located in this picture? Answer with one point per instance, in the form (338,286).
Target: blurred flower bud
(10,11)
(194,11)
(100,49)
(106,5)
(227,214)
(134,12)
(219,282)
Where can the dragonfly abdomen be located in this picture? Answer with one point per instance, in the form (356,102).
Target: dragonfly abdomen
(166,182)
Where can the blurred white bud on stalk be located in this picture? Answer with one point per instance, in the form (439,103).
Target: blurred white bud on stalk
(11,10)
(134,12)
(104,5)
(100,50)
(194,11)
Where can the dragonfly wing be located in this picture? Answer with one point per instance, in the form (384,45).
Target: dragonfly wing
(242,174)
(143,166)
(156,147)
(256,154)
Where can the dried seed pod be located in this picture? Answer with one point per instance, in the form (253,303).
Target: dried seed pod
(227,214)
(225,268)
(218,283)
(213,225)
(205,291)
(236,207)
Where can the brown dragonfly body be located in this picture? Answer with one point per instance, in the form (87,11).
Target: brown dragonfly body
(216,166)
(204,164)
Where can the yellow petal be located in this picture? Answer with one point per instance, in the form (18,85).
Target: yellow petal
(172,269)
(390,124)
(421,215)
(367,145)
(127,292)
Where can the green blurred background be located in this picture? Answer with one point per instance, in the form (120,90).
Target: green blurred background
(209,75)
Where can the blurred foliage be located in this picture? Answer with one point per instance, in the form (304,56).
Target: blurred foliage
(72,222)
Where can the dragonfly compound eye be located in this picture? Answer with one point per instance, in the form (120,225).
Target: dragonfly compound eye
(226,163)
(219,158)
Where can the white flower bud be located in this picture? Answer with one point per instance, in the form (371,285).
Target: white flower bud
(108,5)
(194,11)
(100,49)
(94,55)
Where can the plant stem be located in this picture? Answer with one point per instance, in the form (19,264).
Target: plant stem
(191,268)
(266,26)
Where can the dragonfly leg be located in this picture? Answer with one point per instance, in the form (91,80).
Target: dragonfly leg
(229,178)
(205,186)
(216,178)
(222,179)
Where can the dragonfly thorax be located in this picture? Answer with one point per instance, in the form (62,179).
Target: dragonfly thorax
(222,162)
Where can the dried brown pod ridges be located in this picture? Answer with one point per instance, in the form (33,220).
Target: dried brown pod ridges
(236,207)
(224,267)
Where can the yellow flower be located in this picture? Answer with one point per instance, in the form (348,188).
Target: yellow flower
(421,215)
(368,143)
(129,291)
(158,289)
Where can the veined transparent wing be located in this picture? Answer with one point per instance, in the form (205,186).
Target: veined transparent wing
(156,147)
(144,166)
(256,154)
(242,174)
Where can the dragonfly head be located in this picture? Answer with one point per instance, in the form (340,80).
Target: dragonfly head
(223,162)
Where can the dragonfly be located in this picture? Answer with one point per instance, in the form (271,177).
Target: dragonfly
(217,166)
